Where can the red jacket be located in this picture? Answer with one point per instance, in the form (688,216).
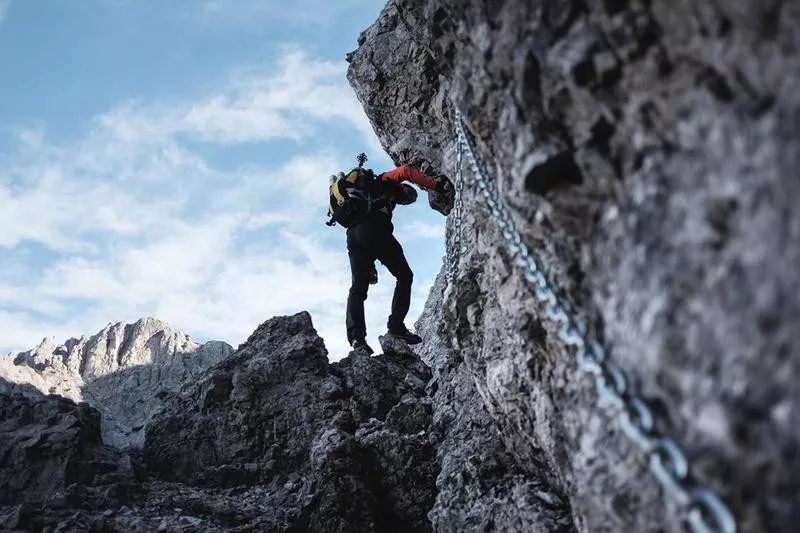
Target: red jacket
(405,172)
(399,175)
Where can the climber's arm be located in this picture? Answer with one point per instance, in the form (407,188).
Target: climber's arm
(405,172)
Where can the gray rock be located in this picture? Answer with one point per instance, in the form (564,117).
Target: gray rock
(482,484)
(53,462)
(272,438)
(341,447)
(648,153)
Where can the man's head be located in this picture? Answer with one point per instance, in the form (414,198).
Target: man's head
(407,194)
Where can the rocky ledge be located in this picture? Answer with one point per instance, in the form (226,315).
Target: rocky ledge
(273,438)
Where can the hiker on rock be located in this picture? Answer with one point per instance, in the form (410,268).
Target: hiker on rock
(363,203)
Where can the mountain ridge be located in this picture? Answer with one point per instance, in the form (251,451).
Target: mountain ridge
(122,365)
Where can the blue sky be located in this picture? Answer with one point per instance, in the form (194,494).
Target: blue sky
(170,159)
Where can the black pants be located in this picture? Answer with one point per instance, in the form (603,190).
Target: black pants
(367,241)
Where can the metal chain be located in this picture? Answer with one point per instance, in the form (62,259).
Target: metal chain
(453,237)
(704,511)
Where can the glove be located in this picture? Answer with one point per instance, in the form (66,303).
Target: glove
(442,185)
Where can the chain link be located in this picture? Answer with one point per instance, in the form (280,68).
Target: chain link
(704,511)
(453,237)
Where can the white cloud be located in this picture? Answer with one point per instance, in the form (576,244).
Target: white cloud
(417,229)
(137,223)
(262,220)
(65,198)
(137,148)
(197,280)
(20,331)
(222,120)
(288,100)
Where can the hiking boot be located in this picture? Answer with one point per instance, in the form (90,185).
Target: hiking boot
(360,345)
(402,333)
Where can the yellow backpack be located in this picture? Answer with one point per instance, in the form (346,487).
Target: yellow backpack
(353,196)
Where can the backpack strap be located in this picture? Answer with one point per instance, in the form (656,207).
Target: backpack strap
(337,194)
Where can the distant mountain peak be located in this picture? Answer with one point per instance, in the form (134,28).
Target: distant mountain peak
(113,370)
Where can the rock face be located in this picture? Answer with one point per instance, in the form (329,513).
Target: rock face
(328,447)
(481,485)
(52,460)
(273,438)
(119,371)
(647,152)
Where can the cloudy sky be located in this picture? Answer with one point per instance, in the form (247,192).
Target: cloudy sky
(170,159)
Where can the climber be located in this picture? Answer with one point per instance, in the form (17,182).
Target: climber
(363,203)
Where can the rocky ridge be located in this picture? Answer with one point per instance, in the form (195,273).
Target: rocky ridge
(276,438)
(120,371)
(272,438)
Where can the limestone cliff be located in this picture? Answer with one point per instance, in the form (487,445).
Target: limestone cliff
(120,370)
(647,152)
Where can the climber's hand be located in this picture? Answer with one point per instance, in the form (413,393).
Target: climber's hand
(443,185)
